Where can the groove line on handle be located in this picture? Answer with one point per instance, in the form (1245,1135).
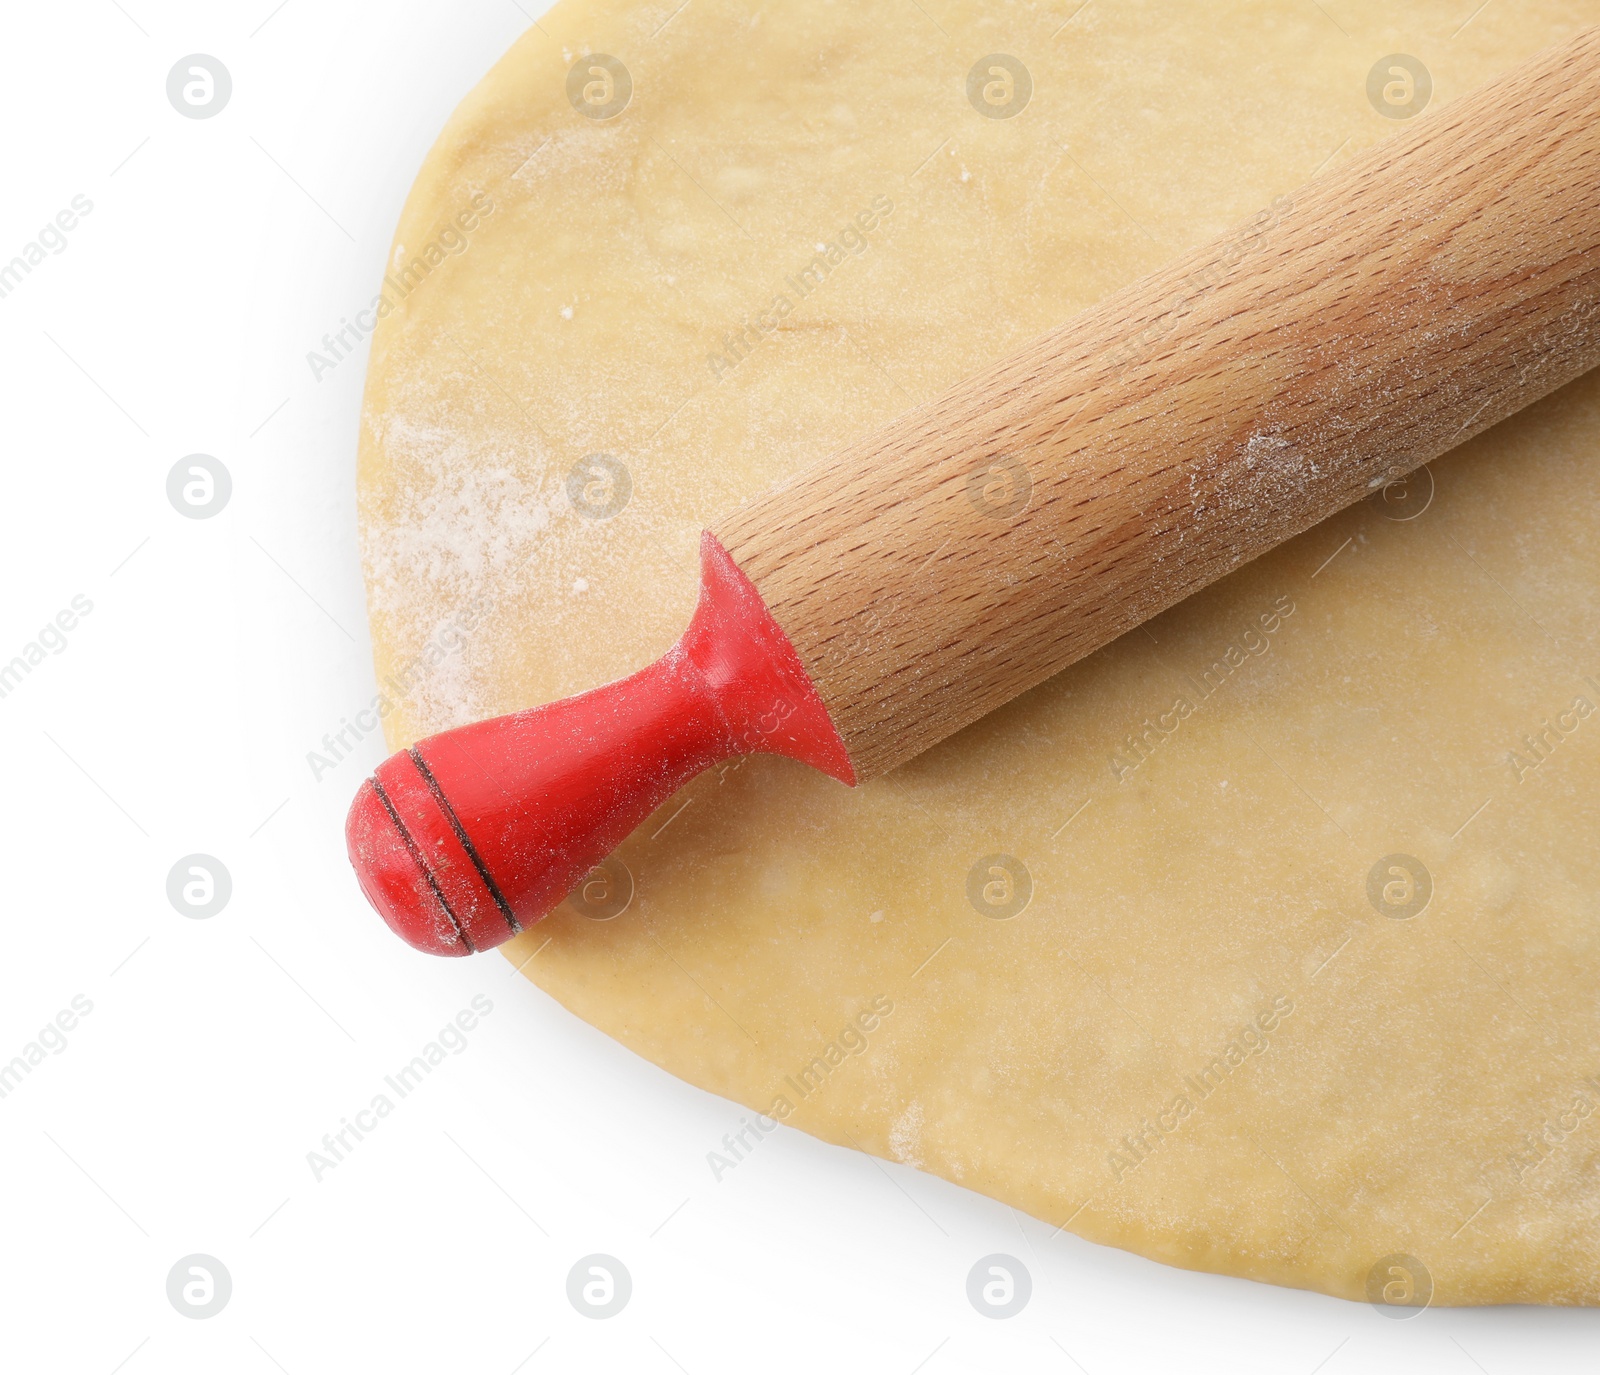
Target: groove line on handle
(427,873)
(466,841)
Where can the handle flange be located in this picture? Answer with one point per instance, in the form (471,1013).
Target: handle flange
(471,835)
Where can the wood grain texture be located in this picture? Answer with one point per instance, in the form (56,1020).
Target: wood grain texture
(1385,313)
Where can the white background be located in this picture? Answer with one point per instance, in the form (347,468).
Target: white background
(179,1116)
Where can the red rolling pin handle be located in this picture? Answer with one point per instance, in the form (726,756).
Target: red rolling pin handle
(473,834)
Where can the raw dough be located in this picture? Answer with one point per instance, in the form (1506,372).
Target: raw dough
(1211,1034)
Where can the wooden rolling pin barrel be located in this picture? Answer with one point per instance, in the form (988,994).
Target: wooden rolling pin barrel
(859,613)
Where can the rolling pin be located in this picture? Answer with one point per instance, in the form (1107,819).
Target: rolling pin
(872,605)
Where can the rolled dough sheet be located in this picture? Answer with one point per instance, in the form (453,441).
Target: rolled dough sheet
(1145,953)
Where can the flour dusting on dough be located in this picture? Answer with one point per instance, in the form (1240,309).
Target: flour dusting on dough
(467,531)
(905,1136)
